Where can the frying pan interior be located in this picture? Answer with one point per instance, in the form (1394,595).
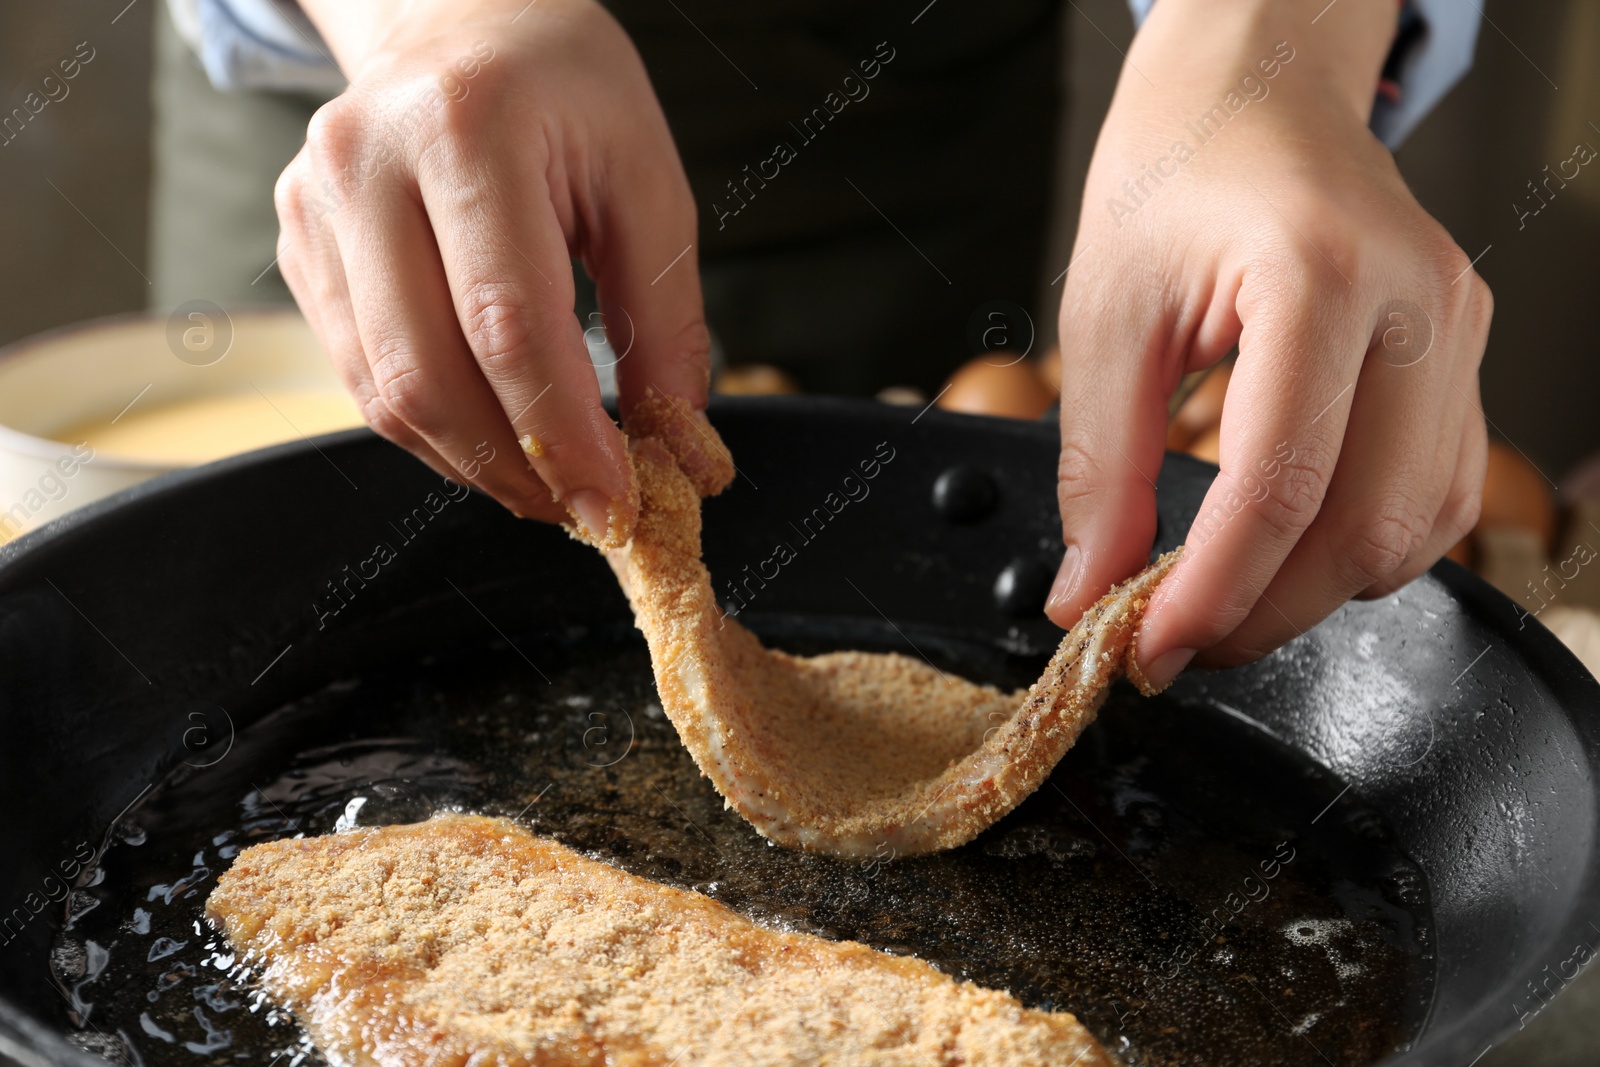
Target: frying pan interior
(1473,740)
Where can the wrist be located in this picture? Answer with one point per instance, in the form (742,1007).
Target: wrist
(358,30)
(1339,49)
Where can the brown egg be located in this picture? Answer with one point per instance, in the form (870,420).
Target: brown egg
(1201,410)
(1516,494)
(754,379)
(1208,446)
(997,384)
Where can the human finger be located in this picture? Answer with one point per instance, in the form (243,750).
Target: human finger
(1283,424)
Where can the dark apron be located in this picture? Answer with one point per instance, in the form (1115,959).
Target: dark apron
(861,263)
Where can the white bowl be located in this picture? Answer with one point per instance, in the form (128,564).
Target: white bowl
(131,366)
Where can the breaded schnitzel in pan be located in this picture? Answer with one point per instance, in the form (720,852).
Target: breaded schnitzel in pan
(852,753)
(468,941)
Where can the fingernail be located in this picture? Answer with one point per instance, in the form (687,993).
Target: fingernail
(592,512)
(1166,666)
(1066,578)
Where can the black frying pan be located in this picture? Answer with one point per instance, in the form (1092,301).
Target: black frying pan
(1428,763)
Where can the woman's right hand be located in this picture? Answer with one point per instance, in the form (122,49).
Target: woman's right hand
(427,226)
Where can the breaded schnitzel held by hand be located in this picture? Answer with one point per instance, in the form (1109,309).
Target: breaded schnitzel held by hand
(853,753)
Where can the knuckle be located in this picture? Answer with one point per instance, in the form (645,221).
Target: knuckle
(1332,268)
(1217,622)
(384,422)
(1480,305)
(1293,500)
(294,276)
(1386,541)
(454,113)
(334,135)
(1079,474)
(404,391)
(1463,298)
(692,345)
(1321,258)
(454,123)
(1437,248)
(499,326)
(487,84)
(289,198)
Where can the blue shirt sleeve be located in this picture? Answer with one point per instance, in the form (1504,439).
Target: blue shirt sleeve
(1432,50)
(259,44)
